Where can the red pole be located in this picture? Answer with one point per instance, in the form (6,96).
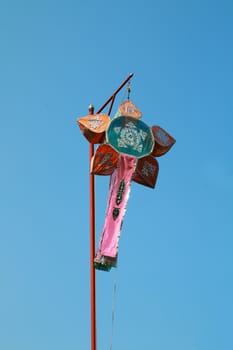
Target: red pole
(92,248)
(92,221)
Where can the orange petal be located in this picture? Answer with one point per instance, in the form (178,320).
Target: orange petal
(146,171)
(93,127)
(104,161)
(129,109)
(163,141)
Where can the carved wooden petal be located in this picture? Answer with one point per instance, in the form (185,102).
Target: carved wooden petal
(128,109)
(146,171)
(93,127)
(163,141)
(104,160)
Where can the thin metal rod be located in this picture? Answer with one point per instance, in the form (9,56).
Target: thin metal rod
(92,221)
(115,93)
(110,108)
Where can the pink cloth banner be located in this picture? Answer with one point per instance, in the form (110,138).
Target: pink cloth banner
(118,196)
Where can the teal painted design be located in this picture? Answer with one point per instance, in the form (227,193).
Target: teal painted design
(131,136)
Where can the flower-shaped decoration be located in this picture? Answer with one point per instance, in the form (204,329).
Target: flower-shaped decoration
(127,151)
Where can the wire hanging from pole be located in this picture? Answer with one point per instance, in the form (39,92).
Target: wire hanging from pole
(126,92)
(128,89)
(113,308)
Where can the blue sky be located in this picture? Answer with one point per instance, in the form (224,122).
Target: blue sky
(174,279)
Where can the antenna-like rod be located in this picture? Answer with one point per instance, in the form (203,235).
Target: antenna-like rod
(112,98)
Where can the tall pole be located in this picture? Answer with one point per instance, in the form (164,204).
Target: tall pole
(92,247)
(92,218)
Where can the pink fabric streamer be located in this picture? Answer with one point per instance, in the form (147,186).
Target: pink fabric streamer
(118,196)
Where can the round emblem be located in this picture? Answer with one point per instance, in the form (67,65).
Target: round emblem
(131,136)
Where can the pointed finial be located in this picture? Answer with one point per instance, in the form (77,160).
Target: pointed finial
(91,109)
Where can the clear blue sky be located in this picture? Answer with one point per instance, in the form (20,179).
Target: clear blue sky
(174,279)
